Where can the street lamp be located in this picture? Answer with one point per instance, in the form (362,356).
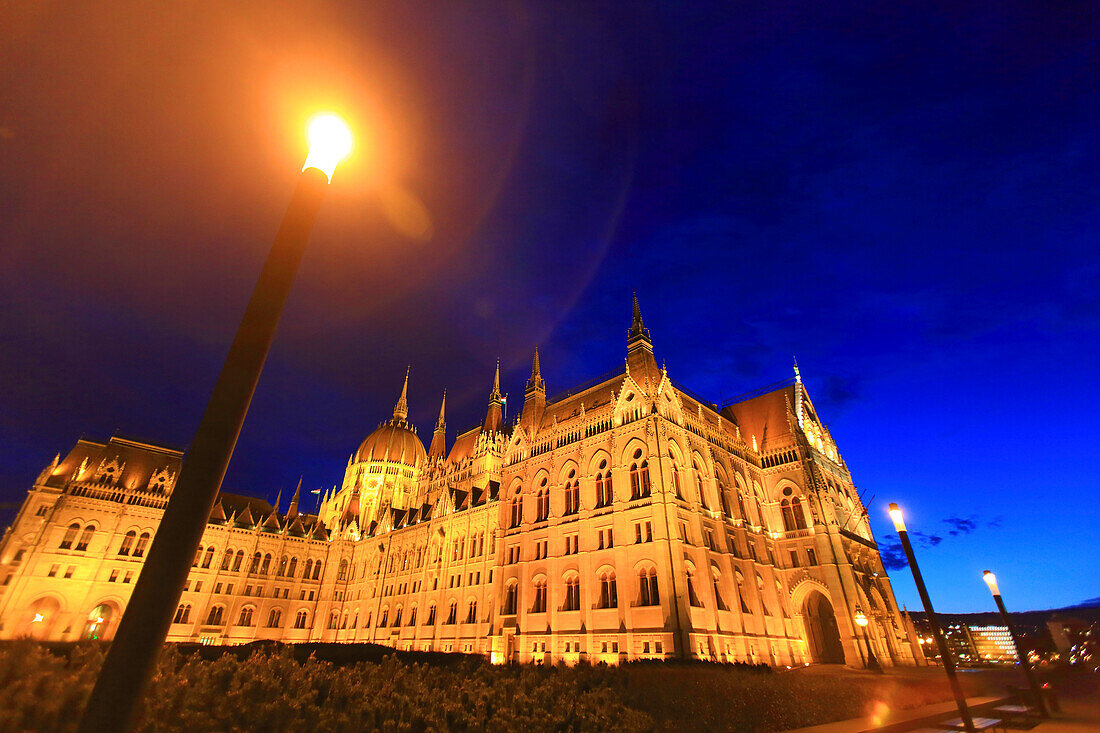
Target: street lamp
(148,616)
(872,660)
(937,632)
(991,580)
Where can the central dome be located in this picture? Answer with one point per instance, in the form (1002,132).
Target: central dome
(393,441)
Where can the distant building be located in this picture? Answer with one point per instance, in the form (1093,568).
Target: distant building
(993,644)
(1076,640)
(624,519)
(971,645)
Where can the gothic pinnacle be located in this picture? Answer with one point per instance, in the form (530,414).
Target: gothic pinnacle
(401,409)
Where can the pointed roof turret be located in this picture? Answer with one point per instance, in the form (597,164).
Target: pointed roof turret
(293,510)
(438,447)
(278,500)
(494,417)
(638,331)
(401,409)
(536,383)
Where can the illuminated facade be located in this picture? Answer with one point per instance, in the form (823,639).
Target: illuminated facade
(623,519)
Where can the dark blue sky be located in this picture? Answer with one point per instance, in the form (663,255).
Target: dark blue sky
(904,195)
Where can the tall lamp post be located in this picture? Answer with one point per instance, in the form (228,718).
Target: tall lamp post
(991,580)
(872,660)
(144,625)
(937,632)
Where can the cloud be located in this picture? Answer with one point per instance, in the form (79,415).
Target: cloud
(893,556)
(961,525)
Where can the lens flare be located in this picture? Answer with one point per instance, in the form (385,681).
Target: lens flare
(329,142)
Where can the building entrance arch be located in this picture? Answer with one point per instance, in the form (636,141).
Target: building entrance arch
(822,634)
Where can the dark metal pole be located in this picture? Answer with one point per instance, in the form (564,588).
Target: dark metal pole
(1028,672)
(144,625)
(945,653)
(872,661)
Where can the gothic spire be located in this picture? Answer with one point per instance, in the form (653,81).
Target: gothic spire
(293,510)
(797,374)
(494,417)
(401,409)
(536,383)
(439,438)
(638,331)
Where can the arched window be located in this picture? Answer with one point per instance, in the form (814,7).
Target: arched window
(266,564)
(471,613)
(676,487)
(511,598)
(254,567)
(85,538)
(245,619)
(342,573)
(127,543)
(760,590)
(741,591)
(282,566)
(274,618)
(517,510)
(183,611)
(572,497)
(452,613)
(542,505)
(609,592)
(643,471)
(604,495)
(799,515)
(238,559)
(227,559)
(412,616)
(70,535)
(700,486)
(198,556)
(741,507)
(572,594)
(208,557)
(724,499)
(431,616)
(716,576)
(214,618)
(309,569)
(334,619)
(316,570)
(540,596)
(647,586)
(788,515)
(292,567)
(301,619)
(693,597)
(142,543)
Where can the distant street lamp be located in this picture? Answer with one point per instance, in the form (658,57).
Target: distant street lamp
(144,625)
(937,632)
(991,580)
(872,660)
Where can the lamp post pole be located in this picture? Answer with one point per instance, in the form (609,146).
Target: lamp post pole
(144,626)
(991,580)
(872,661)
(937,633)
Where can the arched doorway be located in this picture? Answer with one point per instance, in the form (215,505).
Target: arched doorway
(822,635)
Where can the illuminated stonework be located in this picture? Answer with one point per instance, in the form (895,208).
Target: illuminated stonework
(624,519)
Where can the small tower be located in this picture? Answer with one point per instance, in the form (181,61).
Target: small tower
(534,397)
(401,409)
(640,362)
(494,417)
(438,448)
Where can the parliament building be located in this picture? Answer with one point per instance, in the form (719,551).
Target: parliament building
(623,519)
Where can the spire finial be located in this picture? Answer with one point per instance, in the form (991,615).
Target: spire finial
(440,424)
(495,395)
(797,374)
(536,383)
(401,409)
(293,510)
(638,331)
(535,369)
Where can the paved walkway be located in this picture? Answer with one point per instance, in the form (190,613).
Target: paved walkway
(1077,716)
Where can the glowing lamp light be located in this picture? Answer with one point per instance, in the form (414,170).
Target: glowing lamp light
(38,618)
(861,619)
(330,142)
(896,516)
(991,580)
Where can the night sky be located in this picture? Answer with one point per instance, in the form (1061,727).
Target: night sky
(904,195)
